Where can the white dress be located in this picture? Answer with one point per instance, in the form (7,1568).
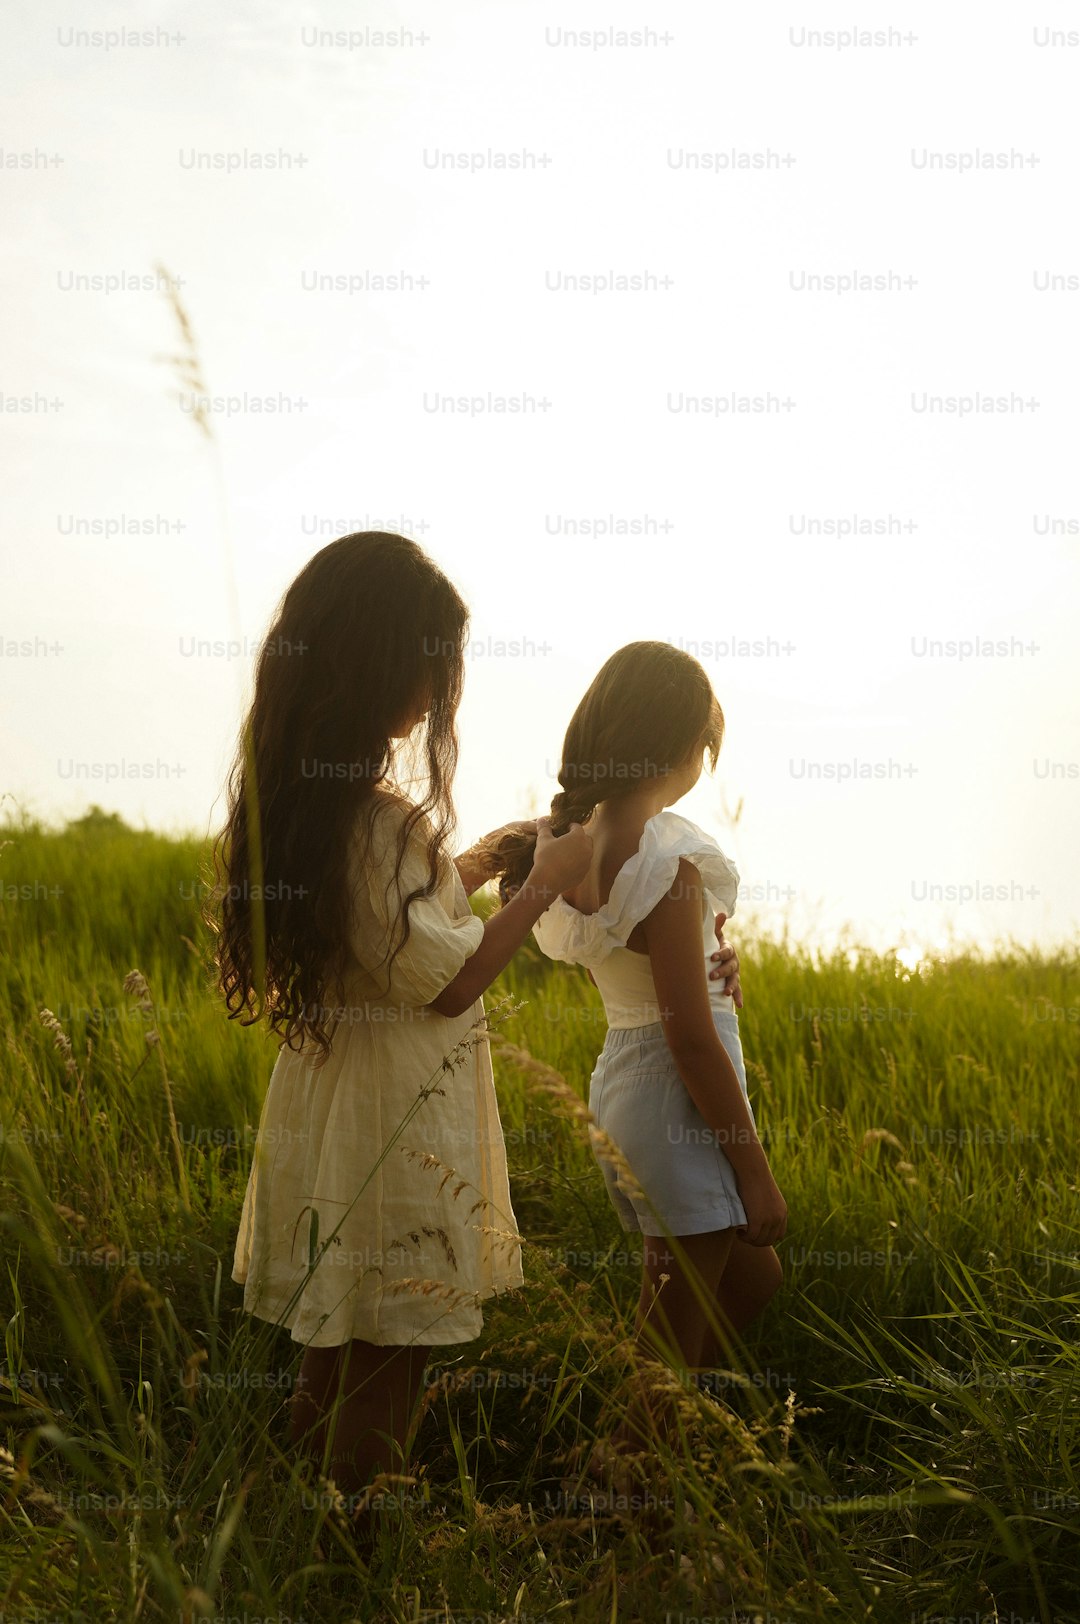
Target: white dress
(417,1247)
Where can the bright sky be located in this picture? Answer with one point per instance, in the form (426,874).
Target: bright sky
(863,160)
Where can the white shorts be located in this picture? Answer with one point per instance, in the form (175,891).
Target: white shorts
(638,1099)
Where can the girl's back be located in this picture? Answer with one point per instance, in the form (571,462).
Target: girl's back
(600,923)
(615,842)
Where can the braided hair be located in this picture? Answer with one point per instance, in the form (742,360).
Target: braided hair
(649,708)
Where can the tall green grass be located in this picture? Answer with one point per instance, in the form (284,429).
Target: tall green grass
(903,1443)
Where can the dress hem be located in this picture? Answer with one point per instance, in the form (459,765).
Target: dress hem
(485,1295)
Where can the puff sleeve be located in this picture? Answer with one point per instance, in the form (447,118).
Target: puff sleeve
(443,930)
(563,933)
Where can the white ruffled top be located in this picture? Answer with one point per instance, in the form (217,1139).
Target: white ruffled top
(598,941)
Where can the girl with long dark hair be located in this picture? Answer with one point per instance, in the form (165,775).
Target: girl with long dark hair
(343,923)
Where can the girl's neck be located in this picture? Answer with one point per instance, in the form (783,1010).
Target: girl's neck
(632,811)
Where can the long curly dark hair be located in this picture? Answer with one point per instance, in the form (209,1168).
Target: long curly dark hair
(648,707)
(369,635)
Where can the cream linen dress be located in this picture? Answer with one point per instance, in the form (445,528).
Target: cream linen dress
(417,1247)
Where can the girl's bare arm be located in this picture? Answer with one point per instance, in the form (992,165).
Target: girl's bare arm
(673,934)
(559,863)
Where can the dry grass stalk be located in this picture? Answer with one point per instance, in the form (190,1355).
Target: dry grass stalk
(136,984)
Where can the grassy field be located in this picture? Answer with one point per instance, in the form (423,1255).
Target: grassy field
(903,1444)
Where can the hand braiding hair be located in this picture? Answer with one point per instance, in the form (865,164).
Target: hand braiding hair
(511,856)
(574,805)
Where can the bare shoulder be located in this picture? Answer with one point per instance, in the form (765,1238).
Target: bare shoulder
(612,850)
(686,884)
(616,852)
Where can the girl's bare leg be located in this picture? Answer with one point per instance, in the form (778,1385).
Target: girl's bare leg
(311,1400)
(360,1399)
(751,1278)
(671,1318)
